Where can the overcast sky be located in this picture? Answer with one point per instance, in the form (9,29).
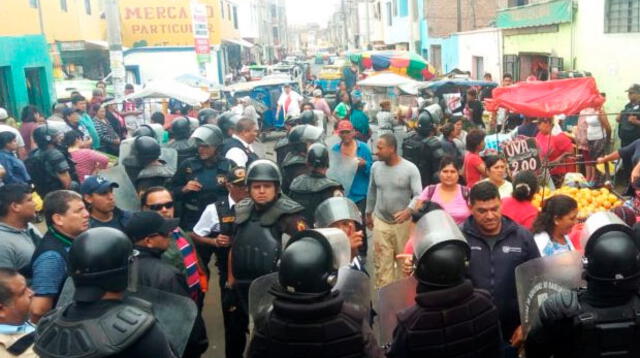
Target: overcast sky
(308,11)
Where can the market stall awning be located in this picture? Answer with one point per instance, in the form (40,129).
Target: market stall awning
(171,89)
(239,42)
(538,14)
(547,98)
(389,79)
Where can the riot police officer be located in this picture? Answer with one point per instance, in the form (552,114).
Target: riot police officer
(450,318)
(313,188)
(295,163)
(201,181)
(282,145)
(342,213)
(603,319)
(49,166)
(307,117)
(227,123)
(306,305)
(101,321)
(261,221)
(145,130)
(155,171)
(181,131)
(424,149)
(208,116)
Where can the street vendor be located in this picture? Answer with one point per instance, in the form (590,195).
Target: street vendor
(554,148)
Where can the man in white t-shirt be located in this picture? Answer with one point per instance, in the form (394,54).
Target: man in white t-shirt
(22,152)
(289,102)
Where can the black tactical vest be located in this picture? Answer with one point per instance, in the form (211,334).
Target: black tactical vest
(326,329)
(309,190)
(185,149)
(468,327)
(235,143)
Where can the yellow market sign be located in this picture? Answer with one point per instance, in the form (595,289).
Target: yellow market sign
(164,22)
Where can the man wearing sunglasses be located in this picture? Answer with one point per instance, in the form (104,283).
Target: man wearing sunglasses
(150,233)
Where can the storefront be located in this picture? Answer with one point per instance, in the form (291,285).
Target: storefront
(538,39)
(25,74)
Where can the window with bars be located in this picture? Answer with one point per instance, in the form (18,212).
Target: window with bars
(622,16)
(63,5)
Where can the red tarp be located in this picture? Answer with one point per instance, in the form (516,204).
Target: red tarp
(547,98)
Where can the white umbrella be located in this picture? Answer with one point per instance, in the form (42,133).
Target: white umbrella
(171,89)
(387,79)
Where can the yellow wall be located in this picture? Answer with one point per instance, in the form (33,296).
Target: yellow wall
(168,22)
(17,17)
(558,44)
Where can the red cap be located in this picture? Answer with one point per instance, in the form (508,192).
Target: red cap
(344,125)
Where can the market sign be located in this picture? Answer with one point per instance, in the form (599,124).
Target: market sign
(522,154)
(539,14)
(201,32)
(166,22)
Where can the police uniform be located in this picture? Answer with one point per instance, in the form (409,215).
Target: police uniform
(312,189)
(186,149)
(154,174)
(308,318)
(234,142)
(94,327)
(426,153)
(602,320)
(44,167)
(281,148)
(293,165)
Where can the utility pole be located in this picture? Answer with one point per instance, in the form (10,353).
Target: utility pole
(368,4)
(346,26)
(459,15)
(114,37)
(412,43)
(40,18)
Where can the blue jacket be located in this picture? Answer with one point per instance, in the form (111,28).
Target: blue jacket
(494,270)
(360,185)
(16,171)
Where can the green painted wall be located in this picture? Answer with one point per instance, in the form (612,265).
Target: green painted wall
(558,44)
(20,53)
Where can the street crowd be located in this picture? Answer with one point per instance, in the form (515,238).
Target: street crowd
(436,206)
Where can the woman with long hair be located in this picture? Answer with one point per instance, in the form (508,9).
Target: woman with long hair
(31,118)
(474,168)
(109,139)
(558,216)
(518,206)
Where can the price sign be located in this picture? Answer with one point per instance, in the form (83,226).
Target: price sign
(522,154)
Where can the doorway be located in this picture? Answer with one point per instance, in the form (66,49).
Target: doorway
(6,101)
(34,77)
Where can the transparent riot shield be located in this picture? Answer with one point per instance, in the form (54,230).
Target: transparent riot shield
(125,195)
(392,299)
(260,300)
(125,157)
(170,156)
(354,287)
(331,141)
(175,314)
(342,169)
(540,278)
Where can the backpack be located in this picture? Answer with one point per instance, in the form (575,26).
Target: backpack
(413,150)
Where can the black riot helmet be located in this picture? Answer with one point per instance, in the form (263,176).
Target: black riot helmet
(45,135)
(263,170)
(307,264)
(227,121)
(425,125)
(307,117)
(181,128)
(145,130)
(318,156)
(207,114)
(208,134)
(441,251)
(147,149)
(99,263)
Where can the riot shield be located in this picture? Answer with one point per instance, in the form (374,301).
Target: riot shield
(170,156)
(125,157)
(175,314)
(260,300)
(331,141)
(159,130)
(354,287)
(392,299)
(342,169)
(125,195)
(540,278)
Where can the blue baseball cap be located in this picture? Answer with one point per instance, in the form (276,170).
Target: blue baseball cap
(96,184)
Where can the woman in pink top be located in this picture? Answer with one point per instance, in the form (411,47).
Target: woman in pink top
(518,206)
(474,168)
(88,161)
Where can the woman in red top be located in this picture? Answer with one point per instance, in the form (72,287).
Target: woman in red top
(518,206)
(554,149)
(474,168)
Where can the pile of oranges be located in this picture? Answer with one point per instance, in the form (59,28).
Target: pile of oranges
(589,200)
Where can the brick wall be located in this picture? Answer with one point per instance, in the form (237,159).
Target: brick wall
(442,15)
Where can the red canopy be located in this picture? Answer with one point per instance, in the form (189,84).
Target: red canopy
(547,98)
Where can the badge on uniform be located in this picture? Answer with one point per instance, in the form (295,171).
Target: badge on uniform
(300,225)
(228,219)
(188,170)
(222,179)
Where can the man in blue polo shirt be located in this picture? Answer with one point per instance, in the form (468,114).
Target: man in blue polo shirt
(66,218)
